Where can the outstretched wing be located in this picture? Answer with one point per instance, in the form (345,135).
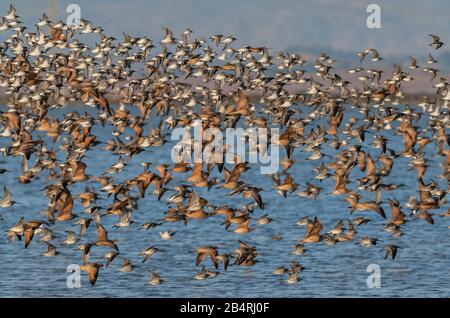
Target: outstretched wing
(314,228)
(102,233)
(92,275)
(7,195)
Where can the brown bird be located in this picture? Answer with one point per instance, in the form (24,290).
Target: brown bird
(92,270)
(199,177)
(313,232)
(87,197)
(29,230)
(353,199)
(110,256)
(391,250)
(211,251)
(424,215)
(149,252)
(436,41)
(397,216)
(102,238)
(84,225)
(243,228)
(77,171)
(7,200)
(225,258)
(287,185)
(64,205)
(245,255)
(155,279)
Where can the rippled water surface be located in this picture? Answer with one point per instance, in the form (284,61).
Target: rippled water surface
(421,268)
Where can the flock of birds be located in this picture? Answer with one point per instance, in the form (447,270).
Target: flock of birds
(186,79)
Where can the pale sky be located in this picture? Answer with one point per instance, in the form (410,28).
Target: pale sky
(279,25)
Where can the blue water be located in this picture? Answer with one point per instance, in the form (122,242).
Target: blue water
(421,268)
